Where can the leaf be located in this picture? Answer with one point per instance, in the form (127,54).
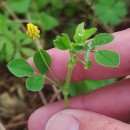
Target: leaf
(17,54)
(45,21)
(111,12)
(82,35)
(42,61)
(102,39)
(9,48)
(88,33)
(2,43)
(77,47)
(35,83)
(14,26)
(3,22)
(48,21)
(26,41)
(19,6)
(107,58)
(20,67)
(79,33)
(42,3)
(62,42)
(76,89)
(27,51)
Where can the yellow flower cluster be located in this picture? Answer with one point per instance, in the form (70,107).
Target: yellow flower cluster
(32,31)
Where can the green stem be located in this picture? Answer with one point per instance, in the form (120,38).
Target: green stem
(68,79)
(52,81)
(87,53)
(66,86)
(66,101)
(38,44)
(65,90)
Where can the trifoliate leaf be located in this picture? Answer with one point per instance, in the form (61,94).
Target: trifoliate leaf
(35,83)
(20,67)
(107,58)
(42,61)
(62,42)
(110,12)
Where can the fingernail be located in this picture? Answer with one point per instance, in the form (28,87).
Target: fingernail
(62,121)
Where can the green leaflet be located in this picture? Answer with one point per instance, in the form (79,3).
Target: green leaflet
(107,58)
(62,42)
(42,61)
(35,83)
(102,39)
(81,35)
(20,67)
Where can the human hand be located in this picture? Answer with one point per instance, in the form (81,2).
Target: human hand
(113,101)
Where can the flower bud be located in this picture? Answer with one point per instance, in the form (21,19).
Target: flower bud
(32,31)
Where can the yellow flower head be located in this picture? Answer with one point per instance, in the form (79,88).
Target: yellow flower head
(32,31)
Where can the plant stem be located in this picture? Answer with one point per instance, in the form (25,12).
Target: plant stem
(46,77)
(87,53)
(66,86)
(65,90)
(38,44)
(66,100)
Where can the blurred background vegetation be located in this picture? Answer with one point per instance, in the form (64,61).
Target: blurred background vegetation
(52,17)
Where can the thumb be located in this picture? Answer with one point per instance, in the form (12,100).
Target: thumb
(83,120)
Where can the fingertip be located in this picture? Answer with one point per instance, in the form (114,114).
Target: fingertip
(35,121)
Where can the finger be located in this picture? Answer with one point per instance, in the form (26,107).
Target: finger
(120,45)
(113,101)
(83,120)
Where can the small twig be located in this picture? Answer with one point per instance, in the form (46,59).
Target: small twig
(54,96)
(56,90)
(43,99)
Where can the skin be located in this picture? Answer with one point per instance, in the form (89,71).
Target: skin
(104,109)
